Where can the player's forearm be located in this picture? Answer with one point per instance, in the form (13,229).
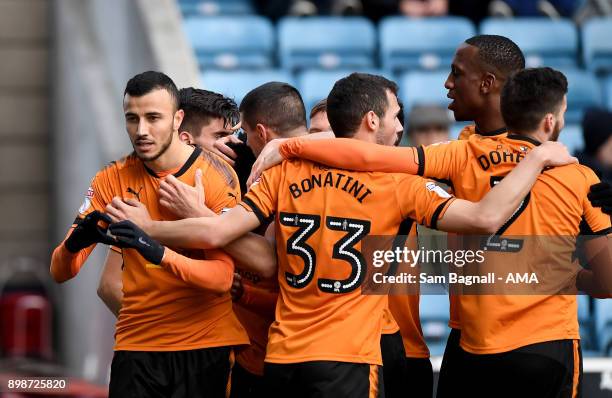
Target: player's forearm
(214,274)
(353,155)
(111,295)
(65,265)
(254,253)
(499,203)
(192,233)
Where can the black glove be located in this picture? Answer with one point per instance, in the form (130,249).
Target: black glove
(601,196)
(130,236)
(89,232)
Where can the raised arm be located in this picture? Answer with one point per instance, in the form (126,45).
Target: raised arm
(489,214)
(597,281)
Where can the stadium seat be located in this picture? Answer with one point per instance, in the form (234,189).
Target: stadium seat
(423,88)
(572,137)
(434,310)
(428,43)
(608,92)
(231,42)
(597,44)
(326,42)
(315,84)
(236,84)
(603,325)
(544,42)
(583,92)
(215,7)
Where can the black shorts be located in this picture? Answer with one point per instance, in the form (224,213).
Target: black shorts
(245,384)
(451,364)
(324,379)
(421,378)
(394,369)
(551,369)
(175,374)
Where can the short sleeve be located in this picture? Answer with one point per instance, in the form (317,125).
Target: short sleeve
(221,185)
(99,194)
(442,161)
(262,198)
(421,199)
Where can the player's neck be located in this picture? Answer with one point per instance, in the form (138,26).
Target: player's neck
(175,156)
(298,132)
(488,123)
(536,135)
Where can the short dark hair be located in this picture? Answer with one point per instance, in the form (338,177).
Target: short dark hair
(320,106)
(276,105)
(529,95)
(499,52)
(144,83)
(354,96)
(201,106)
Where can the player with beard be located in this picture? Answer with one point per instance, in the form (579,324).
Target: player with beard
(176,328)
(502,333)
(327,208)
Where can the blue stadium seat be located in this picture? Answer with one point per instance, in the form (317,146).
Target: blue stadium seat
(428,43)
(608,92)
(423,88)
(236,84)
(543,41)
(572,137)
(326,42)
(231,42)
(603,325)
(434,313)
(587,326)
(315,84)
(597,44)
(583,92)
(215,7)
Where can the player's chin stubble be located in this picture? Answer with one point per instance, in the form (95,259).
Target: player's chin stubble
(161,151)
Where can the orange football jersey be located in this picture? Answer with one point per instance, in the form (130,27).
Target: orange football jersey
(162,310)
(555,207)
(321,215)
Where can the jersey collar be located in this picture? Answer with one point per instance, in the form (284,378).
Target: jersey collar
(524,138)
(192,158)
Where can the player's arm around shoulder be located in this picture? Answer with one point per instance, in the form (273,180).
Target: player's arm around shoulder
(489,214)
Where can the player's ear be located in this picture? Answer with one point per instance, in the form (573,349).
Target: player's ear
(186,137)
(178,119)
(261,132)
(488,82)
(372,121)
(548,124)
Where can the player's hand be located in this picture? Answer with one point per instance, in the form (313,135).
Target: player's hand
(89,232)
(129,209)
(554,154)
(182,199)
(128,235)
(228,154)
(237,290)
(600,195)
(270,156)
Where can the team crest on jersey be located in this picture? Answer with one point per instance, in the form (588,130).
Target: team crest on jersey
(87,202)
(438,190)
